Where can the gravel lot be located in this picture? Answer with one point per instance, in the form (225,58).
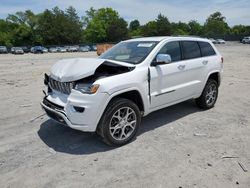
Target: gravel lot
(180,146)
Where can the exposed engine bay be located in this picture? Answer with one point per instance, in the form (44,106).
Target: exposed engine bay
(106,69)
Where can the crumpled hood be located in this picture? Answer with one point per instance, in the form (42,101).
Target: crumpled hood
(69,70)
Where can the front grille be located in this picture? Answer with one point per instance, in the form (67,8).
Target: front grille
(63,87)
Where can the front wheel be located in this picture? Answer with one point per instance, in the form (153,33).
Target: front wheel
(209,95)
(119,122)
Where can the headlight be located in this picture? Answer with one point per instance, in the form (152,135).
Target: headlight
(87,88)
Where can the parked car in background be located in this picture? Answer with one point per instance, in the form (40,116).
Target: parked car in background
(67,48)
(111,94)
(84,49)
(12,50)
(73,48)
(37,50)
(220,41)
(61,49)
(246,40)
(52,49)
(25,49)
(93,48)
(213,40)
(18,50)
(45,50)
(3,50)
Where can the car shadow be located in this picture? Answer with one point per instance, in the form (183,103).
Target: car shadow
(66,140)
(167,115)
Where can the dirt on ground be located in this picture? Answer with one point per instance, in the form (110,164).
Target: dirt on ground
(180,146)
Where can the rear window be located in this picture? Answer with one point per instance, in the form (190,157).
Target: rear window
(206,49)
(191,50)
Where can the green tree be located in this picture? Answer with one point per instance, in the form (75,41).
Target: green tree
(6,29)
(240,30)
(5,39)
(135,28)
(150,29)
(216,25)
(22,35)
(160,27)
(24,30)
(89,16)
(163,26)
(180,28)
(195,28)
(117,30)
(104,25)
(134,25)
(60,27)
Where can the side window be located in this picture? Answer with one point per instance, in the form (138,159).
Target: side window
(206,49)
(173,49)
(191,50)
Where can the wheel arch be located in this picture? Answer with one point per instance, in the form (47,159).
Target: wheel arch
(215,75)
(133,95)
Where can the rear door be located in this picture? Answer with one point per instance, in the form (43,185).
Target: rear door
(195,66)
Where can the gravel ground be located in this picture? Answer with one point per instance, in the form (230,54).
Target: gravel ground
(180,146)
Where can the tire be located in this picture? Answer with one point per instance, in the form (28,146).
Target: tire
(209,95)
(115,127)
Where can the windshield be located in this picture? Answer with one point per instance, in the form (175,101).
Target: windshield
(131,52)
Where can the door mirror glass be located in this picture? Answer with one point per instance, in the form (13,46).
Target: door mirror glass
(163,59)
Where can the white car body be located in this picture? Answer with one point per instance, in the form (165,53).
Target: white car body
(158,86)
(220,41)
(246,40)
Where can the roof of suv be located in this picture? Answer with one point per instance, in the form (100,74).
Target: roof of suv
(158,39)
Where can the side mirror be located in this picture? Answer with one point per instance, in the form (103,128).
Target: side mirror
(163,59)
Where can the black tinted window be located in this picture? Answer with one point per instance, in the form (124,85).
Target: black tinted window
(206,49)
(191,49)
(173,49)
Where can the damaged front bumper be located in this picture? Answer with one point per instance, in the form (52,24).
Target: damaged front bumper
(76,111)
(55,112)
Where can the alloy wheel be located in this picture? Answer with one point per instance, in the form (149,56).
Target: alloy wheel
(122,123)
(211,94)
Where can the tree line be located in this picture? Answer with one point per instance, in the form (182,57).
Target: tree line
(60,27)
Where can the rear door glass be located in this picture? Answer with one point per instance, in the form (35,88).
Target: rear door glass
(190,49)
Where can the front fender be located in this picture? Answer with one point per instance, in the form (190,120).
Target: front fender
(143,95)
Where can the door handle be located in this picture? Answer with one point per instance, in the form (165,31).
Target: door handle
(181,67)
(205,62)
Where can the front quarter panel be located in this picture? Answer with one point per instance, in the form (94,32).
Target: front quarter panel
(134,80)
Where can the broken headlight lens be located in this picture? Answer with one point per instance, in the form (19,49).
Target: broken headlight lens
(87,88)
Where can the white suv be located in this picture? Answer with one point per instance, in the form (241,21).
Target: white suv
(110,94)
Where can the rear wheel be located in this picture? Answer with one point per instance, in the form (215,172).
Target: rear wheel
(119,122)
(209,95)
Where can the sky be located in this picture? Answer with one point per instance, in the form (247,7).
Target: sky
(236,12)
